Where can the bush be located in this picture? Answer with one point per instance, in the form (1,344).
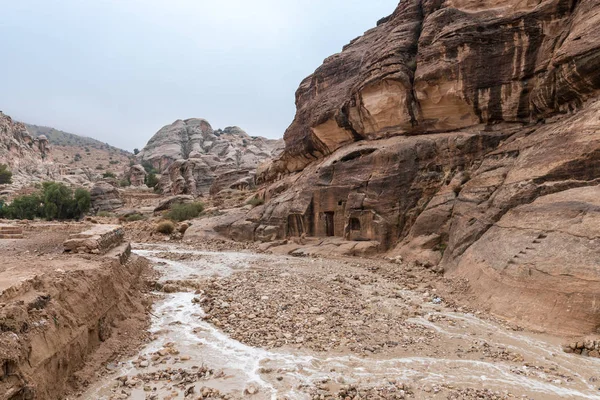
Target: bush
(135,217)
(148,167)
(5,174)
(59,202)
(23,207)
(55,201)
(183,212)
(151,180)
(105,214)
(77,157)
(109,174)
(136,151)
(255,202)
(165,227)
(124,182)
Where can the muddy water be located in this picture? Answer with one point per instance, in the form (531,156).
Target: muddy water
(285,373)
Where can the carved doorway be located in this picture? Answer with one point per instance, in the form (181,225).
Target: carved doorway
(329,223)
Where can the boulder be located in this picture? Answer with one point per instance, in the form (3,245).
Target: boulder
(166,204)
(99,239)
(105,197)
(136,175)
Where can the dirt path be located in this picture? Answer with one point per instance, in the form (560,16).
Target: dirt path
(237,325)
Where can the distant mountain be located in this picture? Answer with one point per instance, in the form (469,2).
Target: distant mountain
(77,152)
(195,159)
(61,138)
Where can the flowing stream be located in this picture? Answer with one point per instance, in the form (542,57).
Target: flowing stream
(284,373)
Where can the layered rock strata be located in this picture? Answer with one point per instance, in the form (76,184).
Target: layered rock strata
(28,158)
(99,239)
(461,134)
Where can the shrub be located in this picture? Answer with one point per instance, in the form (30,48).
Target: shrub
(99,166)
(59,202)
(148,167)
(5,174)
(151,180)
(56,201)
(255,202)
(105,214)
(23,207)
(77,157)
(136,151)
(165,227)
(183,212)
(109,174)
(83,201)
(114,162)
(135,217)
(124,182)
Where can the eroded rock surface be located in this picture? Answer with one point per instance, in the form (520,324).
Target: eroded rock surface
(190,155)
(439,134)
(28,158)
(105,197)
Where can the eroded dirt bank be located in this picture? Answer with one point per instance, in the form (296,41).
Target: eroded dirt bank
(240,324)
(63,317)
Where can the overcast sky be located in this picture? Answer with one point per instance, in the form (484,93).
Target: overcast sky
(119,70)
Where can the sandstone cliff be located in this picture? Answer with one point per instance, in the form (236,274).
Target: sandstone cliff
(461,133)
(28,158)
(195,159)
(34,158)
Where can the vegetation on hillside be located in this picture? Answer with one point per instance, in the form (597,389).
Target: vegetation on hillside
(5,174)
(54,201)
(183,212)
(151,180)
(60,138)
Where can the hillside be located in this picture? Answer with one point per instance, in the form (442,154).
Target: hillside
(81,151)
(61,138)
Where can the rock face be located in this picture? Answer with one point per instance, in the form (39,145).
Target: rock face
(31,159)
(190,155)
(28,158)
(136,175)
(459,133)
(105,197)
(96,240)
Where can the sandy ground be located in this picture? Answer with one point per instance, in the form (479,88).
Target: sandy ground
(60,307)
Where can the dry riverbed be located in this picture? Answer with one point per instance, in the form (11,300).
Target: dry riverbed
(240,324)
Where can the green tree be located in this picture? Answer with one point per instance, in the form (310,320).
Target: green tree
(55,201)
(148,167)
(5,174)
(83,201)
(151,180)
(23,207)
(136,151)
(58,201)
(109,174)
